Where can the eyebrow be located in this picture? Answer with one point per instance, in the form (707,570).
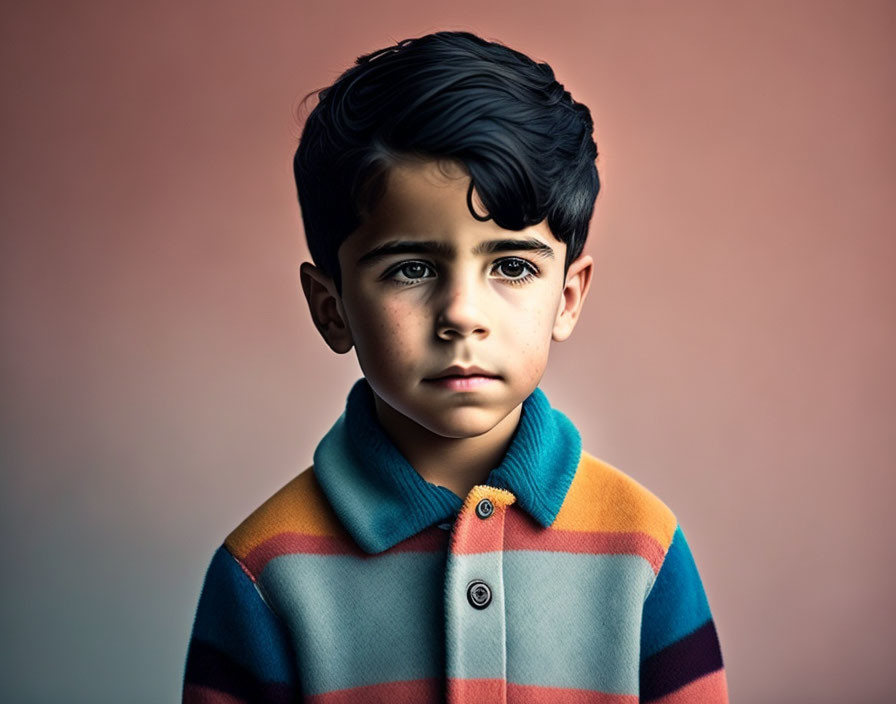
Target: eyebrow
(446,250)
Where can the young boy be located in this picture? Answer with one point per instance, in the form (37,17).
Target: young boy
(451,541)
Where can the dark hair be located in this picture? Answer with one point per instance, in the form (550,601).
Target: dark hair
(525,142)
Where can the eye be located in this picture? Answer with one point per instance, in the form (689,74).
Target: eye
(516,270)
(409,272)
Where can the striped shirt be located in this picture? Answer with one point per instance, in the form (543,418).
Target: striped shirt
(560,579)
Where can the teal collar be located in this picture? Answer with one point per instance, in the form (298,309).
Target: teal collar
(381,500)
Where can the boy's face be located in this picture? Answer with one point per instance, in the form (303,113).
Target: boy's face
(426,287)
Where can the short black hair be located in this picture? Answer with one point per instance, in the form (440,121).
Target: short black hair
(525,142)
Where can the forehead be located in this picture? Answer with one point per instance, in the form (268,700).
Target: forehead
(427,200)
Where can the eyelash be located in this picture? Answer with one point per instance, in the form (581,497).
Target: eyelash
(527,265)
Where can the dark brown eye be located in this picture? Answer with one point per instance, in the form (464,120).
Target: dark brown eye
(512,268)
(516,269)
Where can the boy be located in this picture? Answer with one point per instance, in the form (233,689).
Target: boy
(451,541)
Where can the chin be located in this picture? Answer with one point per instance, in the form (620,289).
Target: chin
(462,423)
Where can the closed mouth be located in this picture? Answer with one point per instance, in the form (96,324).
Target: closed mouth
(459,372)
(462,376)
(462,382)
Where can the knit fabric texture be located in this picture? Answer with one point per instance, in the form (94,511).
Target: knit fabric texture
(560,579)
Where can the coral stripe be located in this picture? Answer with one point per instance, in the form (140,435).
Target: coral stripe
(709,689)
(476,690)
(639,544)
(485,690)
(522,533)
(408,692)
(430,540)
(534,694)
(461,690)
(604,499)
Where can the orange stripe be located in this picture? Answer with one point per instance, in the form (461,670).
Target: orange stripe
(499,497)
(603,499)
(299,507)
(709,689)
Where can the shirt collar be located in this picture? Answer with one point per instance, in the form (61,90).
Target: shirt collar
(381,500)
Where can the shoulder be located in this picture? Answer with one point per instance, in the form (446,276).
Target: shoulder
(602,498)
(295,516)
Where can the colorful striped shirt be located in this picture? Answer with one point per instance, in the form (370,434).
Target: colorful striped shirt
(560,579)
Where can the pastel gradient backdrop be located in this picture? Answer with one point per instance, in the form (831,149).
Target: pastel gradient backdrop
(161,376)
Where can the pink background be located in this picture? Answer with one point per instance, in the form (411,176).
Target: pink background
(161,376)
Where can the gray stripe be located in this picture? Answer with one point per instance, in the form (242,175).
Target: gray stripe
(475,638)
(357,621)
(574,620)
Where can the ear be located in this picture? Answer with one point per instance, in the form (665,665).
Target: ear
(578,280)
(325,305)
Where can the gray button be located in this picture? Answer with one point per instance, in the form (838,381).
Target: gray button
(485,508)
(479,594)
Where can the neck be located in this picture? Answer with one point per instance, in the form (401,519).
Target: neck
(458,464)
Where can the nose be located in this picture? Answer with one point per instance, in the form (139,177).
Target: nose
(460,309)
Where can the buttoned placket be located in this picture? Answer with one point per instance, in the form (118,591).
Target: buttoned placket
(475,629)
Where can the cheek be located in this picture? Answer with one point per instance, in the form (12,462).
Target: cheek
(532,339)
(388,331)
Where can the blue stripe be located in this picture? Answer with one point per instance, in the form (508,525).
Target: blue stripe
(677,605)
(233,618)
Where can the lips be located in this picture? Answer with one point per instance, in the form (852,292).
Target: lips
(459,371)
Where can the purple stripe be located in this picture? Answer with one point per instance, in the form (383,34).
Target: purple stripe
(681,662)
(209,667)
